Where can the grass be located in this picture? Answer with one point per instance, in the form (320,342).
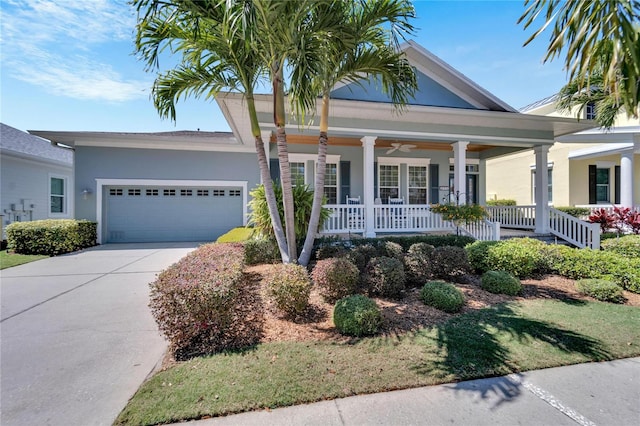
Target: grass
(494,341)
(7,260)
(236,235)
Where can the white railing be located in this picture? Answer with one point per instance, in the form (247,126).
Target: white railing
(483,230)
(608,207)
(521,217)
(407,218)
(344,219)
(577,232)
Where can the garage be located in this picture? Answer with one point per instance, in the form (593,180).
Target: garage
(163,213)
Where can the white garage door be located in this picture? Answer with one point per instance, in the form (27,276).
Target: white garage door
(170,213)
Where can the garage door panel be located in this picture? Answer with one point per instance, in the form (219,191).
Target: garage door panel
(149,214)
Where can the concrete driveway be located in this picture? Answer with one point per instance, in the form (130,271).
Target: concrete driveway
(77,337)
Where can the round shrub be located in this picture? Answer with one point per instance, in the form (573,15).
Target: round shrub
(329,251)
(357,316)
(261,250)
(289,288)
(599,289)
(392,249)
(449,262)
(384,276)
(443,296)
(628,246)
(521,257)
(501,282)
(361,255)
(417,263)
(478,254)
(336,278)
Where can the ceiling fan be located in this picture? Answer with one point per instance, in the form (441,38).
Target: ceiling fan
(400,147)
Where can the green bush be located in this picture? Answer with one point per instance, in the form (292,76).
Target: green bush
(384,276)
(501,282)
(329,251)
(627,274)
(449,262)
(443,296)
(361,255)
(504,202)
(357,316)
(478,255)
(521,257)
(336,278)
(392,249)
(408,241)
(599,289)
(417,264)
(51,236)
(289,288)
(628,246)
(236,235)
(576,212)
(193,300)
(261,250)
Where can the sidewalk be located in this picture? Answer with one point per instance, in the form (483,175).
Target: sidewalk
(605,393)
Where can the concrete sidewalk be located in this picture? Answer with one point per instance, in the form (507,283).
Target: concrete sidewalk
(606,393)
(78,338)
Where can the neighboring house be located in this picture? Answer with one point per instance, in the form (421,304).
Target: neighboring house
(592,168)
(36,178)
(194,185)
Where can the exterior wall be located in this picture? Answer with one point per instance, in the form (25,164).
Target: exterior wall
(108,163)
(24,179)
(580,181)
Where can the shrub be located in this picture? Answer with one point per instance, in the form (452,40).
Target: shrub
(261,250)
(627,274)
(576,212)
(604,218)
(51,236)
(289,289)
(357,316)
(193,300)
(443,296)
(392,249)
(236,235)
(408,241)
(599,289)
(417,263)
(628,246)
(521,257)
(329,251)
(460,213)
(503,202)
(501,282)
(449,262)
(478,255)
(361,255)
(336,278)
(385,276)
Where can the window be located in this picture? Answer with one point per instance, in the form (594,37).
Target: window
(297,173)
(218,192)
(417,184)
(134,192)
(590,111)
(116,192)
(58,198)
(152,192)
(549,185)
(169,192)
(389,182)
(203,192)
(186,192)
(602,185)
(235,193)
(331,183)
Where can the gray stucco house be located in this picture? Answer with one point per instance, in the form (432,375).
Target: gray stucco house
(189,185)
(36,178)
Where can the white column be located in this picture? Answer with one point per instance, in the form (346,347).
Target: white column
(626,178)
(368,142)
(460,170)
(542,193)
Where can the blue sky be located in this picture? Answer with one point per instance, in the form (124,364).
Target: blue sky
(68,64)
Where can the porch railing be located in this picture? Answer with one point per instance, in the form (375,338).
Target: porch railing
(344,219)
(483,230)
(607,207)
(577,232)
(407,218)
(519,217)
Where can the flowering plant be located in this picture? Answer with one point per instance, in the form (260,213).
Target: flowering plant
(456,213)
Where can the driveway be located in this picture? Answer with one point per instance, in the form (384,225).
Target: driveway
(77,337)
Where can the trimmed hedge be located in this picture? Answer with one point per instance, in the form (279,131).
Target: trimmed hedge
(628,246)
(405,242)
(336,278)
(449,262)
(478,255)
(385,277)
(576,212)
(357,316)
(522,257)
(503,202)
(193,301)
(501,282)
(417,264)
(51,236)
(261,250)
(443,296)
(602,290)
(289,288)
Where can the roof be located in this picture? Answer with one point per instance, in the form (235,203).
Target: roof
(539,103)
(24,144)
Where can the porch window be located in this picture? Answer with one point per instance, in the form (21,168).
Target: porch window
(590,111)
(388,182)
(417,184)
(549,185)
(297,173)
(331,183)
(602,185)
(57,195)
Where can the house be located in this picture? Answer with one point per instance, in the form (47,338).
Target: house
(592,168)
(37,178)
(194,185)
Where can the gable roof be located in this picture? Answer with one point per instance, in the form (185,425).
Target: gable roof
(23,144)
(439,85)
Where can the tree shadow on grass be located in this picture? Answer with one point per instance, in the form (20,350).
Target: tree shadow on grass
(473,346)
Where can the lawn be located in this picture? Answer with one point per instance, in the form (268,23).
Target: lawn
(509,337)
(7,260)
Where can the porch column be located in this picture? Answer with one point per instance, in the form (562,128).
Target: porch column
(460,170)
(368,142)
(542,193)
(626,178)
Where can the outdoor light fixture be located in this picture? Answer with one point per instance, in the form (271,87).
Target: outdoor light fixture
(85,193)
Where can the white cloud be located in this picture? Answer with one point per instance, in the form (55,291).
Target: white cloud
(54,44)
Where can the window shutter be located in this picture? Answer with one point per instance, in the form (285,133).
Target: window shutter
(592,183)
(434,179)
(274,169)
(375,179)
(616,182)
(345,180)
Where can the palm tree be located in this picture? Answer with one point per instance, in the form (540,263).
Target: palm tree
(580,27)
(359,49)
(216,40)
